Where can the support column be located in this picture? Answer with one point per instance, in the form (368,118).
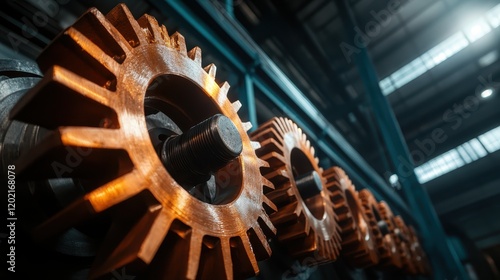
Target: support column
(446,264)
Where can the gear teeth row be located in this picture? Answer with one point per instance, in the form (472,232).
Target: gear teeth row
(385,246)
(303,234)
(94,87)
(387,215)
(358,244)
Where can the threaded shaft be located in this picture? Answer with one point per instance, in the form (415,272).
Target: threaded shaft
(202,150)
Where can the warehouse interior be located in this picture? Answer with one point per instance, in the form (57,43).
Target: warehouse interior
(401,94)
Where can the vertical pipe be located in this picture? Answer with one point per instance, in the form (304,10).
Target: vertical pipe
(445,261)
(247,98)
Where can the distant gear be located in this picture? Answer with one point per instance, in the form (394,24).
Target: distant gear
(388,217)
(386,245)
(358,241)
(305,221)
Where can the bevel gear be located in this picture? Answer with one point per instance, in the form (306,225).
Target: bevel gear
(386,245)
(409,260)
(305,221)
(358,240)
(122,89)
(387,215)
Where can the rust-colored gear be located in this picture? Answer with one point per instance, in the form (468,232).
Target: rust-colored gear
(358,240)
(306,223)
(418,253)
(386,245)
(387,215)
(103,75)
(409,261)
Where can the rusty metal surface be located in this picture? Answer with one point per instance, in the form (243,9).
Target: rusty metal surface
(102,75)
(358,240)
(306,227)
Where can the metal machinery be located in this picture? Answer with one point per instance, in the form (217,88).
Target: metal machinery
(131,159)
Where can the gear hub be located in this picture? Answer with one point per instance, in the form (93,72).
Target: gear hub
(132,96)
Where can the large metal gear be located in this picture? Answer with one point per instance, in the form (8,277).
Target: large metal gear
(305,221)
(386,246)
(358,240)
(123,90)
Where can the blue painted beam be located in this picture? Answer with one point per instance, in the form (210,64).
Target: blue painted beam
(446,264)
(226,39)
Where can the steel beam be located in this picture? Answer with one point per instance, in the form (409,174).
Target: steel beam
(225,38)
(445,261)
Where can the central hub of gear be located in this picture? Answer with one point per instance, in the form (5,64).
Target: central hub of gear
(199,149)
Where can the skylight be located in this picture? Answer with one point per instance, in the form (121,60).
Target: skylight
(466,153)
(441,52)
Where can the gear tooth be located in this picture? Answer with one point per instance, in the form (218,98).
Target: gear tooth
(164,36)
(179,43)
(90,96)
(256,146)
(262,163)
(129,251)
(226,258)
(236,105)
(211,69)
(224,89)
(195,55)
(194,253)
(123,20)
(247,126)
(151,28)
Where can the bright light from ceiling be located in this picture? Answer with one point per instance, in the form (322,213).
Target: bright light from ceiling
(487,93)
(477,30)
(393,179)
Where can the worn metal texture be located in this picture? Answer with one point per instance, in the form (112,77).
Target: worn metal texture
(104,77)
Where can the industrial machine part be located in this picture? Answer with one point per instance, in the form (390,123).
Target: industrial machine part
(409,260)
(420,258)
(386,246)
(305,221)
(387,215)
(358,241)
(138,137)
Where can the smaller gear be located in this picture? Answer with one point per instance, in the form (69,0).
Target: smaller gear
(409,262)
(305,221)
(387,215)
(358,240)
(419,256)
(386,246)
